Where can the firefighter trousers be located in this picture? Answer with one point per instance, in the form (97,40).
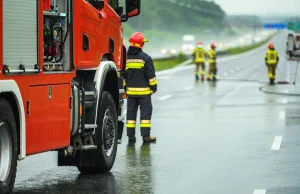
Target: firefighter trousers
(212,70)
(198,64)
(272,71)
(145,104)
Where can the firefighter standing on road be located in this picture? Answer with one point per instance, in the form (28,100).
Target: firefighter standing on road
(199,55)
(140,83)
(272,59)
(212,63)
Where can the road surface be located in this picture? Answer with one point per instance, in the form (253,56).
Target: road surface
(228,137)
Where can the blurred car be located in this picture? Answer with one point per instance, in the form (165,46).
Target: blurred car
(168,51)
(188,44)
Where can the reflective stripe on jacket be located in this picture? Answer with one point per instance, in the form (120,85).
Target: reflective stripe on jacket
(199,54)
(212,56)
(272,57)
(139,76)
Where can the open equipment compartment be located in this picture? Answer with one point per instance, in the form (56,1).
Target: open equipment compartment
(57,36)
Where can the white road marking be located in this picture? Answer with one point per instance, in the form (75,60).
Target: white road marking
(284,101)
(286,91)
(188,88)
(276,143)
(165,97)
(282,115)
(260,191)
(225,74)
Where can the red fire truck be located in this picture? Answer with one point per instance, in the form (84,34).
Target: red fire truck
(59,84)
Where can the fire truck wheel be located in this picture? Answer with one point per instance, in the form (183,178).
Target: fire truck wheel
(106,137)
(8,147)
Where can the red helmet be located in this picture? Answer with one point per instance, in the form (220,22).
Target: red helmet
(199,44)
(137,39)
(271,46)
(213,45)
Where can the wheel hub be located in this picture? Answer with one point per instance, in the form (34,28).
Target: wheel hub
(5,152)
(108,133)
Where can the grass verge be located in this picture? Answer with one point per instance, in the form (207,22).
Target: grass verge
(163,64)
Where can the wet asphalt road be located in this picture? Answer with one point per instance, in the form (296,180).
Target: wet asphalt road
(226,137)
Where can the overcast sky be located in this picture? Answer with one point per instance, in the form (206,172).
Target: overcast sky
(261,7)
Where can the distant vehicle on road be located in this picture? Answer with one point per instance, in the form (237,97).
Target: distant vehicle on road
(188,44)
(293,46)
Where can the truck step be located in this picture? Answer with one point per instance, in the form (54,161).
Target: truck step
(89,104)
(90,99)
(90,126)
(89,147)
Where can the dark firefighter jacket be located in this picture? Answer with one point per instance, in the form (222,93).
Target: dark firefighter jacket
(139,76)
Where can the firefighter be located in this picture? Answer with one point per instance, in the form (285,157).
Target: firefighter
(199,55)
(140,83)
(272,59)
(212,63)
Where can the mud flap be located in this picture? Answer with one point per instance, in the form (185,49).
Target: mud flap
(120,131)
(84,158)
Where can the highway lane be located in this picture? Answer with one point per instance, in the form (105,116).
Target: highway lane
(224,137)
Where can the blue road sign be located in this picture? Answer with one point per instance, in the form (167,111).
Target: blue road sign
(275,25)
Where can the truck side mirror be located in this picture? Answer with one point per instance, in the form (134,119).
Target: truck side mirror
(133,8)
(124,18)
(98,4)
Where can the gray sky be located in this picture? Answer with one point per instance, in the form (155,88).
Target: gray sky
(261,7)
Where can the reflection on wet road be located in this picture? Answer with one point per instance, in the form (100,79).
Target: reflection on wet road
(227,137)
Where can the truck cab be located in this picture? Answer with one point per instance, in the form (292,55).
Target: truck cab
(59,84)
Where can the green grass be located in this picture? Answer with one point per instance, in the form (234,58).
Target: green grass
(163,64)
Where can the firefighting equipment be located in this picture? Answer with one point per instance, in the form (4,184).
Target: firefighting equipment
(272,59)
(137,40)
(212,63)
(199,55)
(140,82)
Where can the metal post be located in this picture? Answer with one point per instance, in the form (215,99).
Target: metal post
(296,73)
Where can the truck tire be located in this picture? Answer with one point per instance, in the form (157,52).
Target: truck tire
(106,136)
(8,147)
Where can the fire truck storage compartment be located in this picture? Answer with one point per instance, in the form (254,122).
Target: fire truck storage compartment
(57,37)
(20,35)
(48,117)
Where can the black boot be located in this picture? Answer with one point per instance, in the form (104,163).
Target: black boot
(132,138)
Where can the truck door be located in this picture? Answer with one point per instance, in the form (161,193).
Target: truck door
(92,31)
(115,35)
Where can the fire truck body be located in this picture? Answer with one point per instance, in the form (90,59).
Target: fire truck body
(59,84)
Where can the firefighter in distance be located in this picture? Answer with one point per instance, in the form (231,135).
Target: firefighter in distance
(140,83)
(212,60)
(272,59)
(199,55)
